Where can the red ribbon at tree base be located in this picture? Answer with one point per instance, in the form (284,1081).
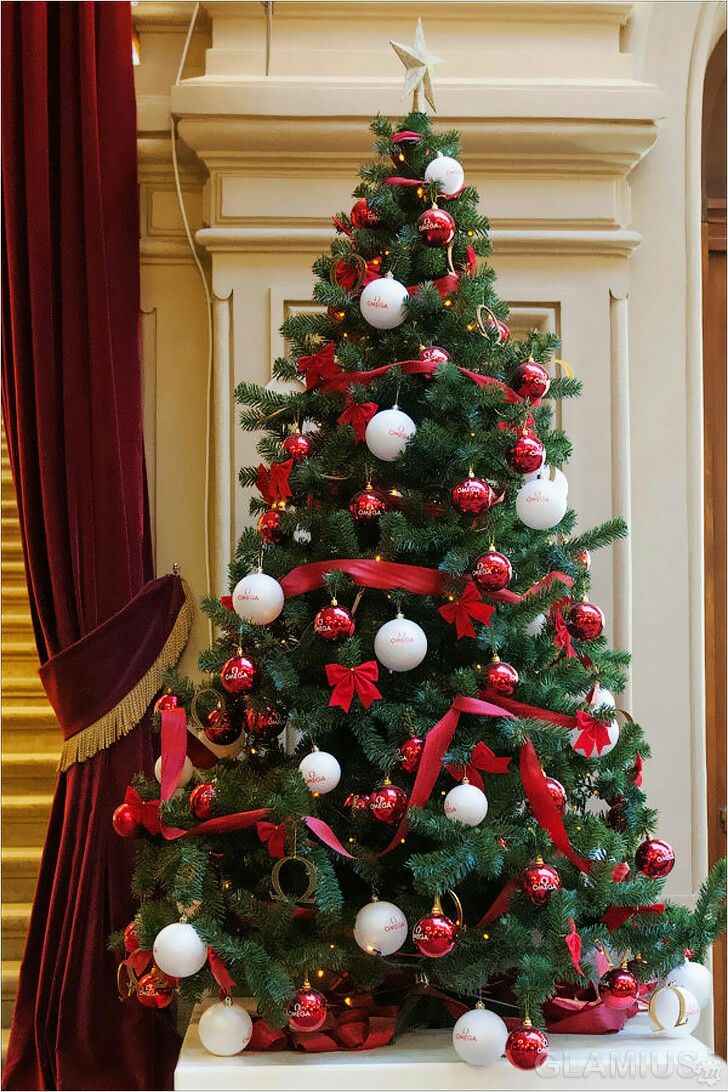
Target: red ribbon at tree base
(347,681)
(462,611)
(362,1027)
(358,415)
(273,482)
(272,835)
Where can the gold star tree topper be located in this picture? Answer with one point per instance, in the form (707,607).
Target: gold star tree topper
(419,65)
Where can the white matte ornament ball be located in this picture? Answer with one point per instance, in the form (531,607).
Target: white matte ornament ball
(590,752)
(448,172)
(695,978)
(380,928)
(400,644)
(258,599)
(320,771)
(382,303)
(178,950)
(536,626)
(550,474)
(187,771)
(540,505)
(479,1037)
(388,433)
(466,804)
(225,1029)
(674,1012)
(601,697)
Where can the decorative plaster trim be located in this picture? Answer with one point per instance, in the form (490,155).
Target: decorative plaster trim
(223,463)
(621,484)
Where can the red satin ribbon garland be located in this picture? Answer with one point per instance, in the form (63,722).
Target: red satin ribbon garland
(336,379)
(348,681)
(543,807)
(616,916)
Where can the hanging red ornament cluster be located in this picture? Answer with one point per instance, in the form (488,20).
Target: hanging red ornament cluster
(585,621)
(538,881)
(308,1010)
(269,526)
(388,803)
(436,226)
(492,572)
(655,858)
(219,728)
(266,723)
(527,1047)
(202,798)
(501,677)
(368,505)
(527,454)
(473,496)
(531,380)
(411,752)
(619,988)
(334,623)
(239,674)
(297,446)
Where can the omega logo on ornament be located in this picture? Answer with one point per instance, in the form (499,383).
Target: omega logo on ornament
(464,1036)
(394,925)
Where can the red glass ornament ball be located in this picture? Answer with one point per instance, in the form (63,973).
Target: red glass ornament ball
(155,990)
(557,792)
(539,881)
(202,798)
(527,454)
(527,1047)
(492,572)
(362,216)
(269,527)
(131,940)
(266,723)
(297,446)
(502,678)
(472,496)
(437,227)
(411,752)
(531,380)
(433,354)
(307,1011)
(585,621)
(655,858)
(125,822)
(619,988)
(165,702)
(496,326)
(388,803)
(367,505)
(239,674)
(219,729)
(434,935)
(354,802)
(334,623)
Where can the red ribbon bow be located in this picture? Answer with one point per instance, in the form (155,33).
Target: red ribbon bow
(347,681)
(272,835)
(146,812)
(573,943)
(319,367)
(138,961)
(562,637)
(481,758)
(593,735)
(461,611)
(348,275)
(358,415)
(273,482)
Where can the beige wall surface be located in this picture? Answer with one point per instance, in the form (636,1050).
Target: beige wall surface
(594,233)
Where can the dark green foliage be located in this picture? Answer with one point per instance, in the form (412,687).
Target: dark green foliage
(270,945)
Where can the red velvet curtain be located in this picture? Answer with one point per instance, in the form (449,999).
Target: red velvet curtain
(71,404)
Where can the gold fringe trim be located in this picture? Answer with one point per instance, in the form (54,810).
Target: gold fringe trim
(120,720)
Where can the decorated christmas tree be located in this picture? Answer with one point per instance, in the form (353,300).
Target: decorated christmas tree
(429,806)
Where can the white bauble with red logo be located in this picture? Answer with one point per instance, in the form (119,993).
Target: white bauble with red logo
(388,433)
(178,950)
(448,172)
(548,473)
(380,928)
(541,504)
(187,771)
(320,771)
(382,303)
(466,804)
(400,644)
(258,599)
(479,1037)
(225,1028)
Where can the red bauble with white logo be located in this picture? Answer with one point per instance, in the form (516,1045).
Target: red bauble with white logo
(531,380)
(239,674)
(619,988)
(368,505)
(492,572)
(307,1011)
(269,527)
(473,496)
(166,701)
(655,858)
(297,446)
(388,803)
(201,800)
(434,935)
(219,729)
(527,454)
(501,677)
(362,216)
(585,621)
(433,354)
(155,989)
(527,1047)
(436,226)
(411,752)
(334,623)
(266,723)
(538,881)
